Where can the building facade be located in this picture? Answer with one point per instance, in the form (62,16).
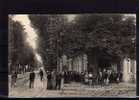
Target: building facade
(129,70)
(78,63)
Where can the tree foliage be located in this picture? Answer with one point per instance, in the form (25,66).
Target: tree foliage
(19,50)
(111,34)
(107,31)
(49,30)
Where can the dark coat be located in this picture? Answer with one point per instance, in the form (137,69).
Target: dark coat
(49,76)
(32,76)
(58,77)
(41,73)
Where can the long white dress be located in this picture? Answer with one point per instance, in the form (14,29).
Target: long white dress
(62,83)
(44,82)
(37,82)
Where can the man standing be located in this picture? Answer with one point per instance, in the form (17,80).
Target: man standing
(32,78)
(120,76)
(49,82)
(13,78)
(41,74)
(100,78)
(82,77)
(58,81)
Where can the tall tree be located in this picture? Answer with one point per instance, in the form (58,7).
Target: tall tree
(108,36)
(49,30)
(19,50)
(108,31)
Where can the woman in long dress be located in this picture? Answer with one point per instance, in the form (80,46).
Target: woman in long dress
(62,80)
(53,79)
(62,83)
(38,83)
(44,81)
(86,78)
(41,83)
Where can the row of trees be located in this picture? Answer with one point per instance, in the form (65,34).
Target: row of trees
(19,51)
(49,27)
(108,32)
(108,36)
(100,36)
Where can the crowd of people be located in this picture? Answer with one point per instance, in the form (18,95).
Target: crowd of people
(102,78)
(56,80)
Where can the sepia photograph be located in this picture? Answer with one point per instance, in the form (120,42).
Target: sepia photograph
(72,55)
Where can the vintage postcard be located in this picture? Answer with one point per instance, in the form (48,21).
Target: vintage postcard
(72,55)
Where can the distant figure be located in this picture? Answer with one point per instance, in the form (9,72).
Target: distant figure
(104,76)
(107,77)
(32,78)
(41,74)
(100,78)
(86,78)
(68,76)
(49,82)
(82,77)
(111,77)
(117,77)
(90,78)
(120,76)
(53,79)
(13,78)
(58,81)
(78,77)
(65,77)
(62,80)
(94,79)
